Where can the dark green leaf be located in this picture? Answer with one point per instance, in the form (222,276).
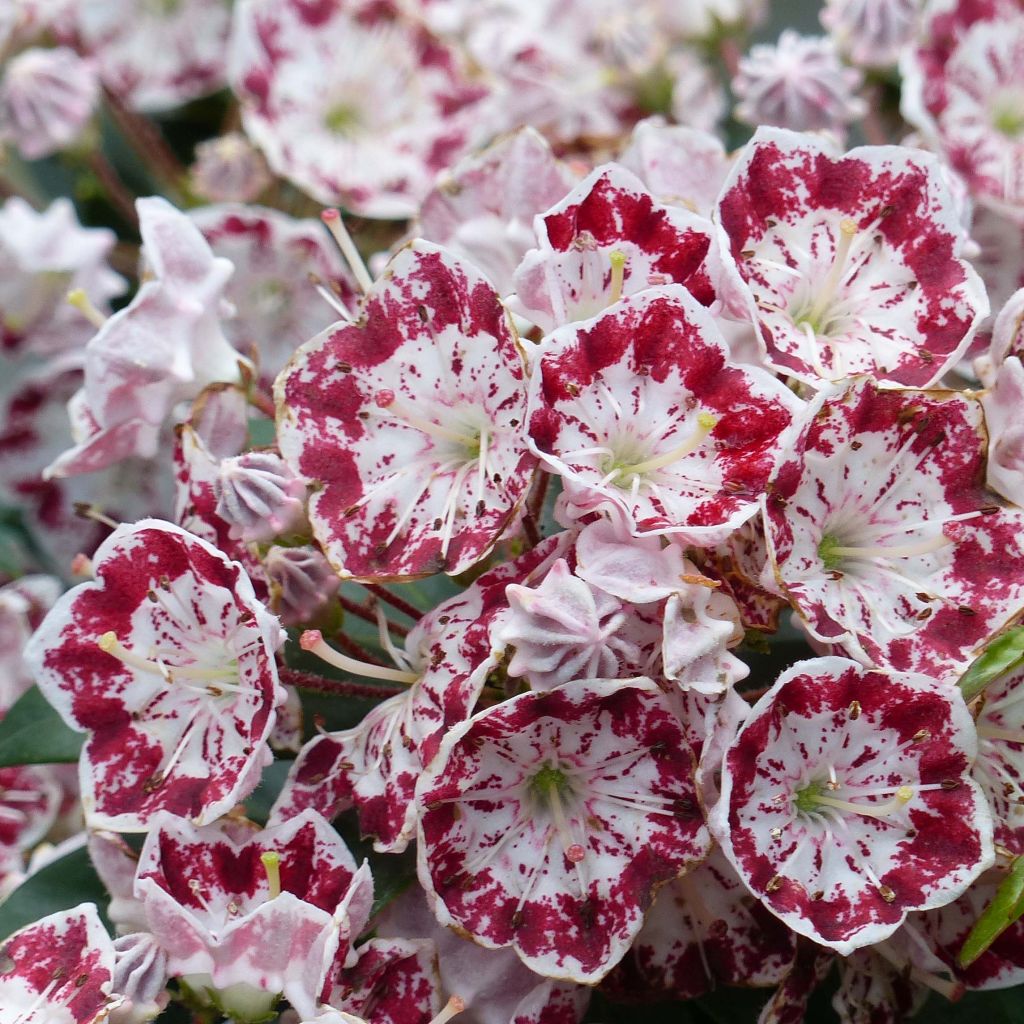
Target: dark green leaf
(33,733)
(1005,908)
(1005,653)
(59,886)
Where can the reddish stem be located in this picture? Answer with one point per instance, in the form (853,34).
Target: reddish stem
(365,613)
(535,504)
(149,143)
(117,191)
(337,687)
(394,600)
(354,650)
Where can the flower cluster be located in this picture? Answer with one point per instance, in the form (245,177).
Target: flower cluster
(584,569)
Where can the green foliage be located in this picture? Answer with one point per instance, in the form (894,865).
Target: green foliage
(33,733)
(1005,908)
(1004,654)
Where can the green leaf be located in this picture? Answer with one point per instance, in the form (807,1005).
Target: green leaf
(1005,908)
(33,733)
(64,884)
(1004,654)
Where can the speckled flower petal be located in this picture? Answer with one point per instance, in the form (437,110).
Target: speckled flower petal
(527,838)
(410,423)
(167,661)
(847,801)
(639,408)
(849,264)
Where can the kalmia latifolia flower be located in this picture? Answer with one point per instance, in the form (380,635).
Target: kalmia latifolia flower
(882,537)
(639,409)
(410,422)
(47,97)
(849,264)
(258,496)
(58,969)
(229,169)
(528,838)
(847,801)
(606,239)
(167,661)
(871,32)
(251,915)
(797,83)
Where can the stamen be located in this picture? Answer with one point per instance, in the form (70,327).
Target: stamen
(428,427)
(705,424)
(332,300)
(271,862)
(922,547)
(847,233)
(312,640)
(336,226)
(84,305)
(109,644)
(618,262)
(904,794)
(990,732)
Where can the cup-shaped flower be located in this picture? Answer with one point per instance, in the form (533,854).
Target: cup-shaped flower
(167,661)
(849,264)
(846,801)
(253,916)
(640,409)
(410,422)
(58,969)
(881,534)
(528,839)
(608,238)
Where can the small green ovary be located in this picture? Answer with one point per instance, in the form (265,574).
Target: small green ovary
(343,119)
(547,781)
(828,552)
(806,800)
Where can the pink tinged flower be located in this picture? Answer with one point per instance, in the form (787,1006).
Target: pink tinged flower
(58,969)
(698,96)
(253,917)
(798,83)
(704,930)
(849,263)
(882,537)
(370,131)
(679,165)
(283,269)
(140,977)
(23,603)
(483,208)
(43,256)
(608,238)
(161,349)
(301,582)
(789,1002)
(962,87)
(871,33)
(526,838)
(258,496)
(1002,404)
(30,800)
(639,409)
(167,661)
(847,801)
(229,169)
(155,57)
(374,766)
(494,984)
(47,97)
(410,423)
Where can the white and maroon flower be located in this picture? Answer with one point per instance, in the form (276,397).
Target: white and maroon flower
(871,33)
(679,165)
(849,263)
(167,661)
(963,85)
(253,916)
(483,208)
(704,930)
(23,603)
(47,97)
(608,238)
(161,349)
(847,801)
(355,102)
(375,765)
(640,409)
(882,537)
(152,56)
(58,969)
(229,169)
(279,264)
(44,256)
(30,799)
(799,83)
(527,839)
(1002,404)
(410,423)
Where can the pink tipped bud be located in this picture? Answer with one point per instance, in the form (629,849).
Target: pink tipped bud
(258,496)
(311,639)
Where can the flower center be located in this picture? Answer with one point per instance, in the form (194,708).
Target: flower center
(549,787)
(343,119)
(816,797)
(819,315)
(622,470)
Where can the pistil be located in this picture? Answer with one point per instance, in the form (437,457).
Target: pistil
(617,259)
(271,862)
(312,640)
(705,424)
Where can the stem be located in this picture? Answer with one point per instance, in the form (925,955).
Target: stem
(394,600)
(120,196)
(149,143)
(530,528)
(535,503)
(336,687)
(362,611)
(263,402)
